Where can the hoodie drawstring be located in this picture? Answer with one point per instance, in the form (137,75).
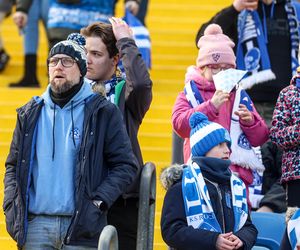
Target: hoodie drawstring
(53,135)
(73,137)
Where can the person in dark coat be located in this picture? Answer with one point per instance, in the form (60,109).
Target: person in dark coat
(274,196)
(205,206)
(69,160)
(106,45)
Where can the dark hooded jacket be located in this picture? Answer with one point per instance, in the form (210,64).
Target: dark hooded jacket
(105,166)
(135,100)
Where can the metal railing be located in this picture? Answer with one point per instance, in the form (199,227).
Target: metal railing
(145,233)
(108,239)
(177,149)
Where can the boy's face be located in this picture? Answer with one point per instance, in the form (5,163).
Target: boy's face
(220,151)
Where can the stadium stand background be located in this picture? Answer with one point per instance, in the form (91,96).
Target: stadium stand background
(173,25)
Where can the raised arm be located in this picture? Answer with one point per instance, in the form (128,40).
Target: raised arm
(138,92)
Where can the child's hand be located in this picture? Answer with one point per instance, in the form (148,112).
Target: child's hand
(219,98)
(224,242)
(244,114)
(236,240)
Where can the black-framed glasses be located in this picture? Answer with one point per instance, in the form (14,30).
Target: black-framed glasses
(67,62)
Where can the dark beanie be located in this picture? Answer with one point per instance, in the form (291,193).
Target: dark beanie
(73,47)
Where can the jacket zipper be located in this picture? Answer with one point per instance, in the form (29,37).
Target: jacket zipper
(72,229)
(82,159)
(220,203)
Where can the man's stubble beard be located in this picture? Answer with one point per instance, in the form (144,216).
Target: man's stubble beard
(61,88)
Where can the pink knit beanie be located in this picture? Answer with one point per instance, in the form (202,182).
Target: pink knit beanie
(215,47)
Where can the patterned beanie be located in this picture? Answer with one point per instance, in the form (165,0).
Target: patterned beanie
(73,47)
(215,47)
(205,134)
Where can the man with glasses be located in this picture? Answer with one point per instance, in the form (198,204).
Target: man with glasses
(69,160)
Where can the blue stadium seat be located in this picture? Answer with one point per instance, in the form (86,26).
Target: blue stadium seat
(271,227)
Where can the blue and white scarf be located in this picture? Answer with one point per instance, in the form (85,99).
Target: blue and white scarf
(192,94)
(141,36)
(110,86)
(242,152)
(293,230)
(198,206)
(252,53)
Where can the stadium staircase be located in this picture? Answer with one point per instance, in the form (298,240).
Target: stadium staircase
(173,25)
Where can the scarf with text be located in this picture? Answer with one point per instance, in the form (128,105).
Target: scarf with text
(198,206)
(252,53)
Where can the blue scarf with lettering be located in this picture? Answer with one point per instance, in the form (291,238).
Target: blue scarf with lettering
(252,53)
(198,206)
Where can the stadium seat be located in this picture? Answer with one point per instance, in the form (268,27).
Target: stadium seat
(270,228)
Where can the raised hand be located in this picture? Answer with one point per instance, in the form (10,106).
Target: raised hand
(120,28)
(244,114)
(219,98)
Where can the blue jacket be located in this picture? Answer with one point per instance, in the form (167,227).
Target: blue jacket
(105,166)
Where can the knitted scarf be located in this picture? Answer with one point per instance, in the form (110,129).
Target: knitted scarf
(198,206)
(111,88)
(252,53)
(293,230)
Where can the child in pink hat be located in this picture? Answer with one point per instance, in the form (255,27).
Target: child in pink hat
(200,95)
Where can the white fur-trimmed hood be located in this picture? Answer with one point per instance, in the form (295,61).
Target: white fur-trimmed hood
(170,175)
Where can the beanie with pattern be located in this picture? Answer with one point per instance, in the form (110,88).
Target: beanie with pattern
(215,48)
(205,134)
(73,47)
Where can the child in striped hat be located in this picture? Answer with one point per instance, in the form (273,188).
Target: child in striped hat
(205,206)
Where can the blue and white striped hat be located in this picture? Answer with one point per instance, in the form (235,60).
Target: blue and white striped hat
(205,134)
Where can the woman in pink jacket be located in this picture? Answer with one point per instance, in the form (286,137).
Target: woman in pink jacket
(234,110)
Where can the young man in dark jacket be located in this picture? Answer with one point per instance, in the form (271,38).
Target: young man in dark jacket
(105,44)
(278,22)
(69,160)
